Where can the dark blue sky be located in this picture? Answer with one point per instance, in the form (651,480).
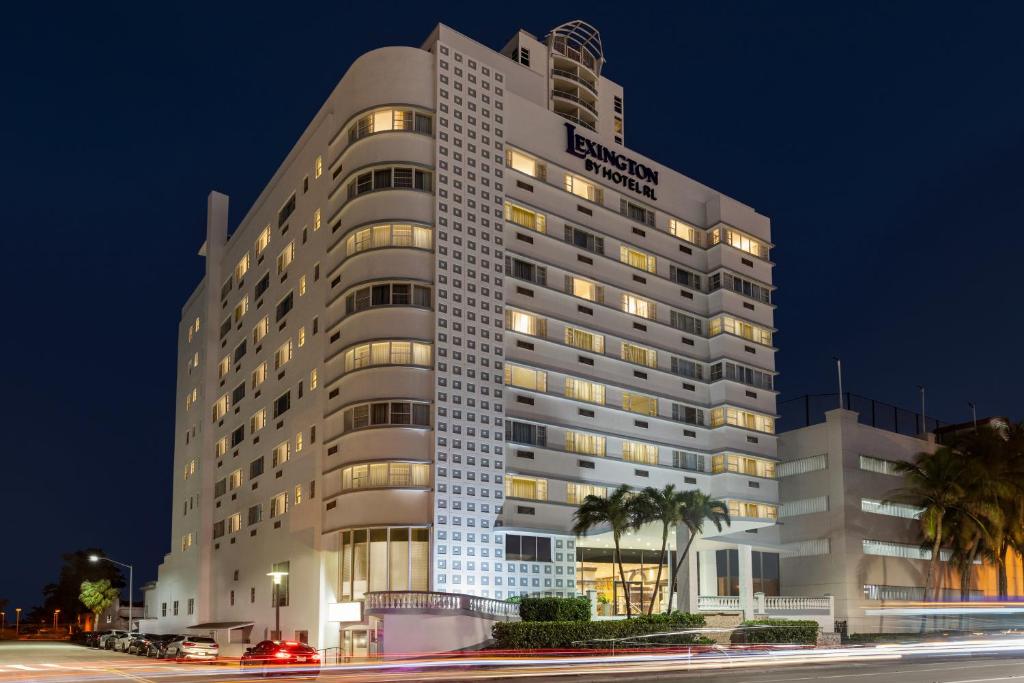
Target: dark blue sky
(885,140)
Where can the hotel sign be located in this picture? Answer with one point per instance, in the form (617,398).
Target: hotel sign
(610,165)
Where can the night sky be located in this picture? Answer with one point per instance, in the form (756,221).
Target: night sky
(884,140)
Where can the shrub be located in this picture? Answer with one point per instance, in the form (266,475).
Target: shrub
(539,635)
(554,609)
(777,631)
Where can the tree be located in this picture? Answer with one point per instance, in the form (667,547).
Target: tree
(620,512)
(665,506)
(63,594)
(97,596)
(698,508)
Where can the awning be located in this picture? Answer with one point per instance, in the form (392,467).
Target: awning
(222,625)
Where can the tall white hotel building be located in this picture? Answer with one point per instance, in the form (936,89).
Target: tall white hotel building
(461,305)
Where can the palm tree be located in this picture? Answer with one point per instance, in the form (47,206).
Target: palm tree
(660,505)
(698,508)
(620,511)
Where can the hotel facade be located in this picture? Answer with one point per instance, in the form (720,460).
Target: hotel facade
(460,306)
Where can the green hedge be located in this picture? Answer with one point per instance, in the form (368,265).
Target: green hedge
(554,609)
(543,635)
(777,631)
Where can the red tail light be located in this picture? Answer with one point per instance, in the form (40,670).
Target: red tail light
(282,655)
(188,644)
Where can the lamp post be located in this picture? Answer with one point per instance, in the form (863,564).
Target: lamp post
(3,622)
(56,613)
(277,601)
(131,579)
(17,621)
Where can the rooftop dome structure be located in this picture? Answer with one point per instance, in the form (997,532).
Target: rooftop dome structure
(578,39)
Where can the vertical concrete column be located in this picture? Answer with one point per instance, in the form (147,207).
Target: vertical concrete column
(746,581)
(686,580)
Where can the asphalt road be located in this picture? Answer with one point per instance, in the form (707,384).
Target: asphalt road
(66,663)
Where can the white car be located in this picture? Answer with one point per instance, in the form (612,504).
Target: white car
(121,642)
(106,641)
(192,647)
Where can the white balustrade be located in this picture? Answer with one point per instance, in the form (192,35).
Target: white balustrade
(423,600)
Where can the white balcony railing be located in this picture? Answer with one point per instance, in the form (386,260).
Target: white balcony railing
(716,603)
(795,604)
(429,600)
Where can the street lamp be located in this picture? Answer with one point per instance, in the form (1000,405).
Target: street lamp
(3,622)
(55,613)
(17,621)
(131,578)
(277,601)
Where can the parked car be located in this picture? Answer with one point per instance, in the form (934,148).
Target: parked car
(137,642)
(121,642)
(92,638)
(192,647)
(303,660)
(106,641)
(158,645)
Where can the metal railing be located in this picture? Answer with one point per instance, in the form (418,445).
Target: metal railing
(562,73)
(560,46)
(575,98)
(576,119)
(424,600)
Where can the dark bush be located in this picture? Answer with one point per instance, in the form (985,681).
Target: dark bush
(541,635)
(776,631)
(554,609)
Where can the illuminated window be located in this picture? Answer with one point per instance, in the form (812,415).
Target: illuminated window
(195,360)
(737,239)
(640,355)
(389,235)
(302,285)
(385,475)
(302,337)
(285,258)
(318,167)
(297,496)
(263,241)
(742,508)
(235,480)
(259,375)
(585,444)
(526,378)
(313,379)
(531,488)
(258,421)
(524,163)
(637,259)
(576,493)
(684,231)
(524,217)
(193,329)
(191,397)
(242,268)
(584,289)
(220,447)
(639,403)
(742,418)
(190,467)
(644,453)
(526,323)
(261,329)
(385,120)
(280,455)
(242,308)
(298,442)
(386,413)
(387,353)
(279,504)
(316,220)
(729,325)
(220,408)
(582,390)
(581,339)
(583,188)
(224,367)
(283,354)
(234,523)
(731,462)
(402,560)
(637,306)
(186,541)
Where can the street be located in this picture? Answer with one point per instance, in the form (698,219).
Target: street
(64,662)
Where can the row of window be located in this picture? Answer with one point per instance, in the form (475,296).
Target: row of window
(276,507)
(397,177)
(391,119)
(389,235)
(385,475)
(387,353)
(386,413)
(387,294)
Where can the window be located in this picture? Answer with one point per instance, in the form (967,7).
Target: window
(585,444)
(524,163)
(524,270)
(313,379)
(238,436)
(634,305)
(636,212)
(298,442)
(263,241)
(255,514)
(634,451)
(262,285)
(804,506)
(584,239)
(242,308)
(175,607)
(389,235)
(191,398)
(280,454)
(739,373)
(279,505)
(302,285)
(398,178)
(638,403)
(526,323)
(583,188)
(283,354)
(282,403)
(387,353)
(380,559)
(258,421)
(220,408)
(526,378)
(527,218)
(234,523)
(879,465)
(584,289)
(285,258)
(684,277)
(637,259)
(234,480)
(742,418)
(740,240)
(385,475)
(259,375)
(387,294)
(302,337)
(193,329)
(582,390)
(686,323)
(384,120)
(633,353)
(316,220)
(284,306)
(904,550)
(242,267)
(527,548)
(256,467)
(742,286)
(684,231)
(221,447)
(687,414)
(318,167)
(297,495)
(687,368)
(581,339)
(531,488)
(386,413)
(740,508)
(802,466)
(186,541)
(526,433)
(728,325)
(743,464)
(286,211)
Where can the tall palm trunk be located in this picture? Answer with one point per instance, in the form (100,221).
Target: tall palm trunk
(622,578)
(662,560)
(675,572)
(932,580)
(1001,565)
(967,572)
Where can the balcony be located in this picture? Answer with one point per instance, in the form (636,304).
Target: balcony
(572,97)
(575,77)
(429,601)
(560,46)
